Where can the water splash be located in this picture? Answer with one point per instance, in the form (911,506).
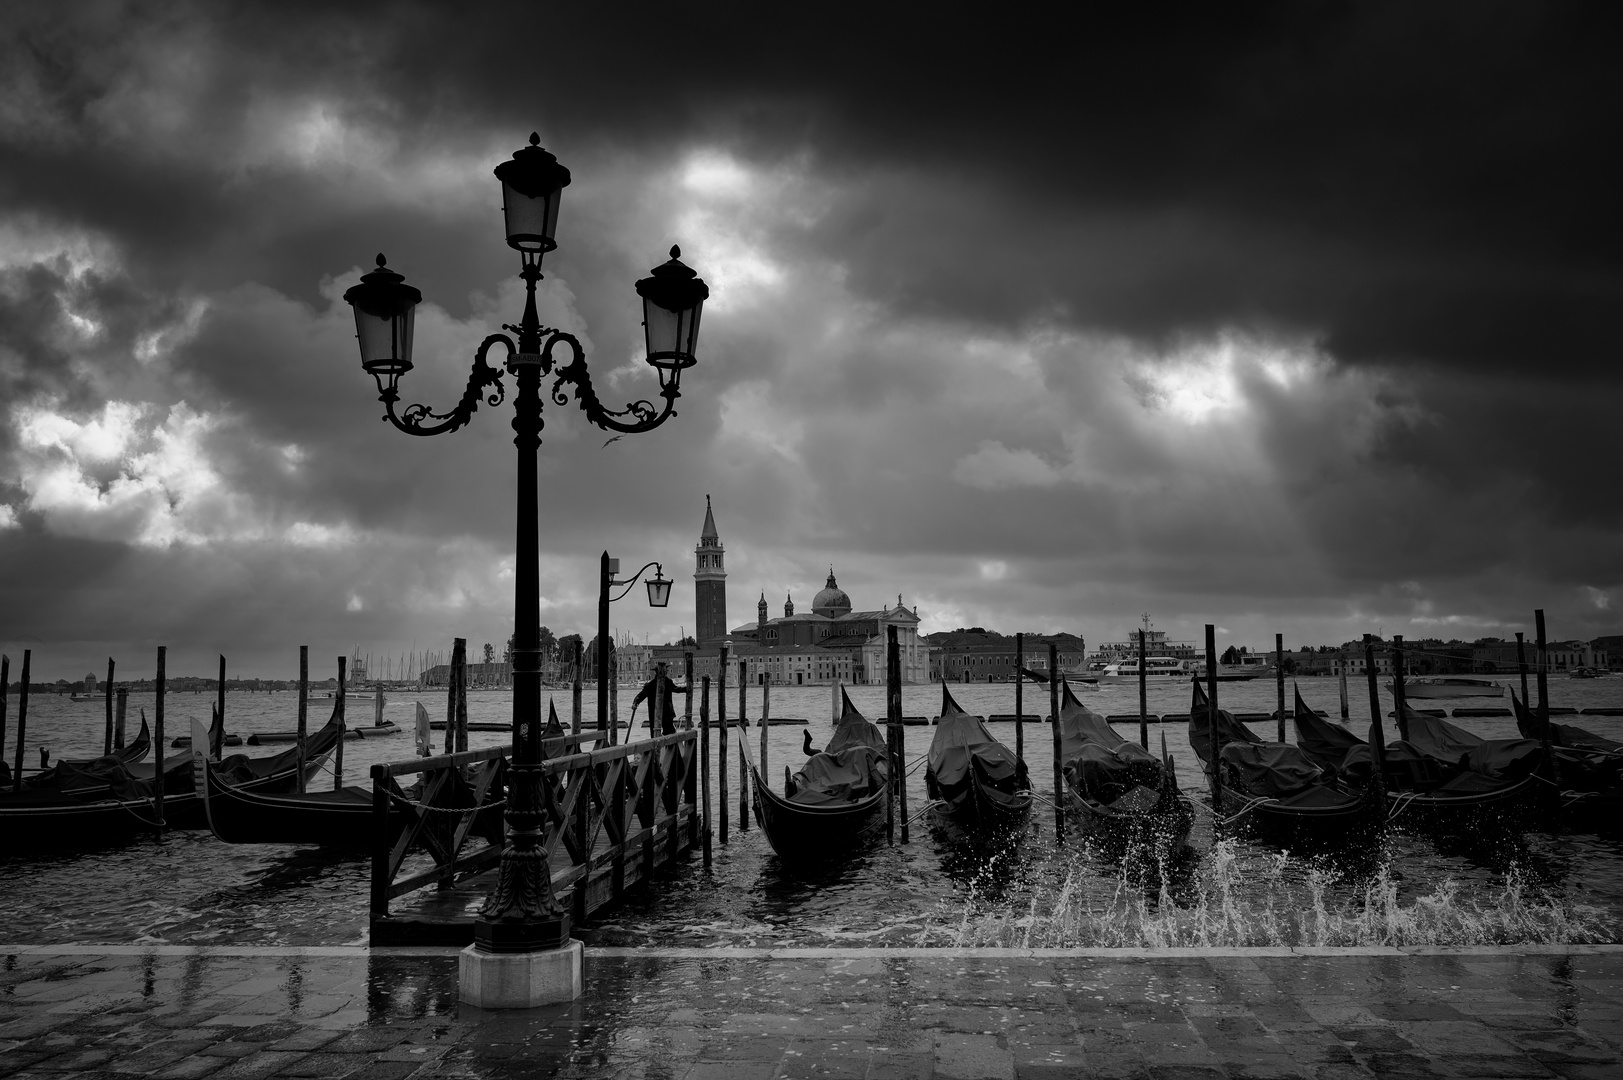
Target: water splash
(1282,901)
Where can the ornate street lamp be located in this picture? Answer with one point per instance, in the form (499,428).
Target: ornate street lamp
(523,917)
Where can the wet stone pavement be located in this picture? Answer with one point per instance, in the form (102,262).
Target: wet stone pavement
(176,1012)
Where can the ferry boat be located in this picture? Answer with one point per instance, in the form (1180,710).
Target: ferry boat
(1450,686)
(1157,669)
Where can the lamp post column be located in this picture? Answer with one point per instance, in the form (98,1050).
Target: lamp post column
(523,915)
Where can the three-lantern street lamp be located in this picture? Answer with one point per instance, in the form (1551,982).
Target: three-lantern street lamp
(523,915)
(659,594)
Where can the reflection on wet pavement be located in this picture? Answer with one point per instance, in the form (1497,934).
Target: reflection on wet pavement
(837,1013)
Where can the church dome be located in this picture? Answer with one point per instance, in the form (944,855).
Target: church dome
(832,601)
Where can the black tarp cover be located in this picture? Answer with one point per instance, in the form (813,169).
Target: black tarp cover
(1325,742)
(1098,763)
(1269,769)
(1498,759)
(854,765)
(963,753)
(1200,725)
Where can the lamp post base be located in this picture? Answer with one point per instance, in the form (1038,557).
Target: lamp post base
(520,980)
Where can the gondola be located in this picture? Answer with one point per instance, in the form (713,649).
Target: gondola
(241,815)
(1442,778)
(836,801)
(1273,789)
(1126,798)
(121,801)
(69,773)
(977,782)
(1587,793)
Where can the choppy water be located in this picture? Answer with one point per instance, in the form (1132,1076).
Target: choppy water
(189,888)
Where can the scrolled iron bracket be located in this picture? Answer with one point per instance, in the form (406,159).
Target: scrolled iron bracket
(645,415)
(421,420)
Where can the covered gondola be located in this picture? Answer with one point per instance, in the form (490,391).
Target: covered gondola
(1588,782)
(977,782)
(89,808)
(1441,778)
(836,802)
(1274,789)
(1126,798)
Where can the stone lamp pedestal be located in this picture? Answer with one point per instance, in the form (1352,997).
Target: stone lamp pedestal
(520,980)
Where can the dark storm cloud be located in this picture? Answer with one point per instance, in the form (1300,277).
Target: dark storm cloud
(1415,185)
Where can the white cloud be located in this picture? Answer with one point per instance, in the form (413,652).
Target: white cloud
(993,465)
(8,516)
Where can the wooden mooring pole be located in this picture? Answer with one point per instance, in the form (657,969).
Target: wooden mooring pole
(219,703)
(1019,699)
(157,737)
(1053,716)
(1521,663)
(1345,716)
(687,680)
(893,718)
(574,696)
(453,686)
(723,736)
(1377,732)
(704,761)
(461,704)
(338,751)
(107,738)
(118,717)
(1544,699)
(5,692)
(1398,704)
(1279,680)
(1143,695)
(743,766)
(304,708)
(1214,728)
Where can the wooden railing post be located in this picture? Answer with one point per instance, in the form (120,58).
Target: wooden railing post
(381,841)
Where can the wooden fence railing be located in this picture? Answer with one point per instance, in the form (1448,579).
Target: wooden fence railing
(615,813)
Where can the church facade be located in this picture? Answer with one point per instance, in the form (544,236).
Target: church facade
(830,643)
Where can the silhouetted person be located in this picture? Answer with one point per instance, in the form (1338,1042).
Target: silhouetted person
(667,723)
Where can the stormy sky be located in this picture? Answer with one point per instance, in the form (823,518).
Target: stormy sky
(1297,318)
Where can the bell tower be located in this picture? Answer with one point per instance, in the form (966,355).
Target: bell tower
(709,584)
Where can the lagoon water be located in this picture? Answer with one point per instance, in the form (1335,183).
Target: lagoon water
(190,888)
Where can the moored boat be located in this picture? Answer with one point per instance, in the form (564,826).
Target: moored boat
(1274,789)
(836,801)
(86,808)
(977,782)
(1449,686)
(1125,797)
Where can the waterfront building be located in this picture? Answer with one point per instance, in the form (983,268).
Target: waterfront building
(981,655)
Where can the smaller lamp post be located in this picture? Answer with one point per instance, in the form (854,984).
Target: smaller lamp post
(659,594)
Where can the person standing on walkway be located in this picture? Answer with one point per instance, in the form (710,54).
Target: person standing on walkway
(669,691)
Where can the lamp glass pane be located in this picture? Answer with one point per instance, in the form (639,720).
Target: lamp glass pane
(659,592)
(385,338)
(531,223)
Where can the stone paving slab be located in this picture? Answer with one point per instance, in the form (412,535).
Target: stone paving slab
(352,1014)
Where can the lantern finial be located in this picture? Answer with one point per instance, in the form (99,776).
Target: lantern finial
(676,252)
(381,260)
(535,138)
